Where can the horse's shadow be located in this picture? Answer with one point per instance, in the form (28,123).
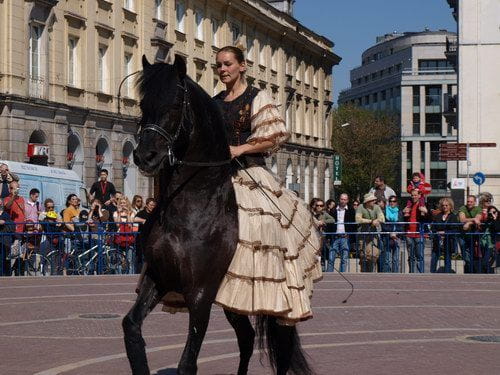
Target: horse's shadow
(173,371)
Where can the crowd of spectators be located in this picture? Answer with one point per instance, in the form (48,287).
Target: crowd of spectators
(382,227)
(28,226)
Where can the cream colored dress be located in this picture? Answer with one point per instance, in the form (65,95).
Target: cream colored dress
(277,256)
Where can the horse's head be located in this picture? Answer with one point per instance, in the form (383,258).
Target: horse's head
(162,87)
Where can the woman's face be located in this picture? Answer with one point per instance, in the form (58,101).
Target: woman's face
(445,206)
(228,68)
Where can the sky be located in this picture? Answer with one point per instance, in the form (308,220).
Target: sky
(353,25)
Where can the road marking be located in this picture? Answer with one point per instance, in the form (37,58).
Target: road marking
(62,285)
(67,296)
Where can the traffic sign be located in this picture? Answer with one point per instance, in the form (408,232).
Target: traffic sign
(337,170)
(479,178)
(458,183)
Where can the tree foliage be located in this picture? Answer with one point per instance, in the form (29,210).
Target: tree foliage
(369,145)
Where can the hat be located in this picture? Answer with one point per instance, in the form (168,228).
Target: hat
(368,197)
(51,215)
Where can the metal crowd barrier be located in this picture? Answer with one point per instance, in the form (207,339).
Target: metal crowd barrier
(433,247)
(43,249)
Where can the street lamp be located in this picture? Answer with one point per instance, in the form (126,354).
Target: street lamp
(344,125)
(120,89)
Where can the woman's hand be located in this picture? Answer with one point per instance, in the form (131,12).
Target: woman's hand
(236,151)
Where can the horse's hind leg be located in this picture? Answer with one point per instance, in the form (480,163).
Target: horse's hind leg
(132,323)
(246,337)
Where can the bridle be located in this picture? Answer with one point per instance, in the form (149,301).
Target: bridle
(170,140)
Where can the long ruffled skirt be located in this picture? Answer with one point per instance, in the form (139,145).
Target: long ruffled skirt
(277,256)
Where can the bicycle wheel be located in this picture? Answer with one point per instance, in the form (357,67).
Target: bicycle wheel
(115,263)
(55,260)
(38,265)
(72,265)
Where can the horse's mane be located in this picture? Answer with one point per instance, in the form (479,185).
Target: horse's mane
(156,80)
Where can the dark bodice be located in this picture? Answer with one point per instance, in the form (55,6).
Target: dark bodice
(237,119)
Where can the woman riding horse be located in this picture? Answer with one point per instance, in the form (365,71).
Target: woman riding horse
(260,256)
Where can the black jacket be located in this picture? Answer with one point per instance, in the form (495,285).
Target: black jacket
(349,217)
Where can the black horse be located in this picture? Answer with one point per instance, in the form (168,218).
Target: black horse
(189,245)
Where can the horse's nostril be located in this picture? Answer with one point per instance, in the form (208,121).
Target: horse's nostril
(150,155)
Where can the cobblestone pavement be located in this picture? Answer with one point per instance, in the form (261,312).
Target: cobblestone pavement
(393,324)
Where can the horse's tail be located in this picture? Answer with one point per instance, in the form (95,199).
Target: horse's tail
(282,344)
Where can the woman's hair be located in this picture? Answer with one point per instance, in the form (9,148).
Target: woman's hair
(328,202)
(236,51)
(125,200)
(446,200)
(312,203)
(135,198)
(68,199)
(485,197)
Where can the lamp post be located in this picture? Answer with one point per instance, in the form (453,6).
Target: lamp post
(119,96)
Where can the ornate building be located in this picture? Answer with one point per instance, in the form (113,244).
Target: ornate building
(63,67)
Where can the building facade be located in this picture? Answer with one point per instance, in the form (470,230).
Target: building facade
(476,56)
(408,74)
(63,69)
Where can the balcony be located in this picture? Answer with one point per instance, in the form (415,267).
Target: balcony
(450,109)
(451,51)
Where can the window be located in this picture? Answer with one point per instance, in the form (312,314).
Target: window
(433,123)
(35,37)
(198,15)
(72,61)
(102,69)
(235,33)
(159,9)
(416,123)
(433,99)
(409,158)
(249,47)
(128,4)
(416,99)
(262,51)
(127,69)
(434,66)
(215,32)
(180,15)
(438,179)
(274,59)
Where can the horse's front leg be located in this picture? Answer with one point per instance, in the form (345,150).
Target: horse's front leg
(132,323)
(199,315)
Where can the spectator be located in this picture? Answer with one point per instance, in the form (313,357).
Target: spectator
(103,189)
(112,208)
(321,220)
(137,204)
(71,213)
(483,251)
(443,241)
(369,216)
(330,207)
(125,238)
(470,216)
(493,228)
(14,205)
(355,204)
(340,242)
(97,217)
(141,218)
(393,219)
(51,226)
(32,206)
(418,182)
(381,190)
(6,230)
(6,177)
(416,213)
(49,206)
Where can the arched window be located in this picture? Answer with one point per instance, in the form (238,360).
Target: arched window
(289,174)
(307,183)
(327,182)
(315,180)
(74,154)
(274,166)
(103,157)
(129,170)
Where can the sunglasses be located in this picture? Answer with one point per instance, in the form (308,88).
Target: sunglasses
(49,207)
(393,201)
(320,205)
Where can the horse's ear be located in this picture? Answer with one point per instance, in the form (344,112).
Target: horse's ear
(180,65)
(145,62)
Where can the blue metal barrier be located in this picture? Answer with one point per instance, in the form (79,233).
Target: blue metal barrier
(43,250)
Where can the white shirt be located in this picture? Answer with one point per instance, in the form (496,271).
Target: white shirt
(340,219)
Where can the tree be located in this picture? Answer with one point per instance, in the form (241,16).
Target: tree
(369,144)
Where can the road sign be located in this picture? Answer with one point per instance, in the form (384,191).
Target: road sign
(337,169)
(452,151)
(479,178)
(458,183)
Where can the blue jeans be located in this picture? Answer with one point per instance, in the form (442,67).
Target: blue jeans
(340,245)
(441,245)
(389,256)
(415,246)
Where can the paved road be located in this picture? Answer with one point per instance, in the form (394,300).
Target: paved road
(393,324)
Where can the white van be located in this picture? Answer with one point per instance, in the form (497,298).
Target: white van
(55,183)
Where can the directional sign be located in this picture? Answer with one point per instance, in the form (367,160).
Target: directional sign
(479,178)
(453,151)
(337,169)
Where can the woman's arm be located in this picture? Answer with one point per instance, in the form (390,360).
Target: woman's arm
(248,148)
